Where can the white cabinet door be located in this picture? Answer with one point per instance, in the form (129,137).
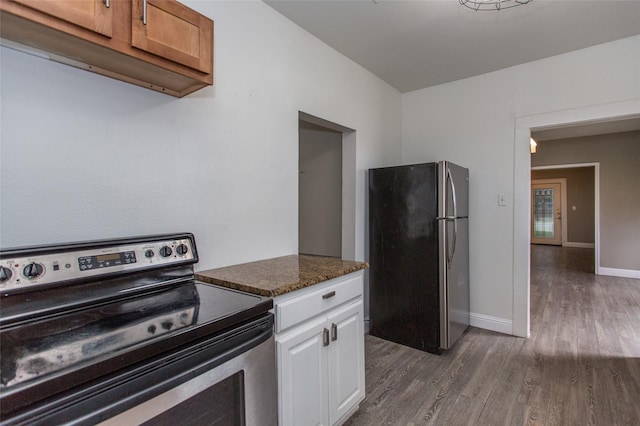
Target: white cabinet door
(346,360)
(302,366)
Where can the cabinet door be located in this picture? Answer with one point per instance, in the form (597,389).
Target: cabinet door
(302,370)
(346,360)
(173,31)
(94,15)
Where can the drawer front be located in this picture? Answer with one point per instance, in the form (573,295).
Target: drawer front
(296,309)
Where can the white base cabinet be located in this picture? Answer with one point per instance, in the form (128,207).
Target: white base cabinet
(320,352)
(346,361)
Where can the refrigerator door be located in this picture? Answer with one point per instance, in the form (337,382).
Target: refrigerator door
(403,235)
(453,230)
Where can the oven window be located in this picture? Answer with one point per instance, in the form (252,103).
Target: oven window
(221,404)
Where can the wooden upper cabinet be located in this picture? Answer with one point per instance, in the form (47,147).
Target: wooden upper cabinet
(173,31)
(171,53)
(94,15)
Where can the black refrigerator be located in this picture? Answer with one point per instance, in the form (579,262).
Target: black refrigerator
(419,254)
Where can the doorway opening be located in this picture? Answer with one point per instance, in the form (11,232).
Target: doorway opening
(326,188)
(586,117)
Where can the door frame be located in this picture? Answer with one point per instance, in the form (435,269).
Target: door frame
(563,203)
(521,320)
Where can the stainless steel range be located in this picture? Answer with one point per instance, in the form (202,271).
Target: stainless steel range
(118,331)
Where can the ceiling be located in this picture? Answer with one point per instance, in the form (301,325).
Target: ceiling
(588,129)
(421,43)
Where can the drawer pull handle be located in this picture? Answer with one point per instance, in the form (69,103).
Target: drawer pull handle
(328,295)
(107,3)
(334,332)
(325,337)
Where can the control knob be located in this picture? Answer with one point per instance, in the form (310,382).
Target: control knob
(32,270)
(5,274)
(165,251)
(149,253)
(182,249)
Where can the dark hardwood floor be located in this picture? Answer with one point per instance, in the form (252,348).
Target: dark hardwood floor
(581,365)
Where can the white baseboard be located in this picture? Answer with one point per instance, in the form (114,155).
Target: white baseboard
(499,325)
(579,245)
(624,273)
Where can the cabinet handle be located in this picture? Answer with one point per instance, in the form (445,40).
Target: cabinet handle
(328,295)
(325,337)
(107,3)
(334,332)
(144,12)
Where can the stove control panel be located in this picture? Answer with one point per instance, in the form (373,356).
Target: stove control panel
(22,269)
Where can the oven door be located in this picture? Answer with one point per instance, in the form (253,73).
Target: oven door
(241,391)
(229,379)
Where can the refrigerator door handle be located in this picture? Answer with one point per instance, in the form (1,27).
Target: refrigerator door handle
(453,192)
(455,217)
(455,237)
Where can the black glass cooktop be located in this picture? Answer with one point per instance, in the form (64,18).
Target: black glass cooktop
(77,346)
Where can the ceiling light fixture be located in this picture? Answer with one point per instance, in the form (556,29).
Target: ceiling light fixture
(492,4)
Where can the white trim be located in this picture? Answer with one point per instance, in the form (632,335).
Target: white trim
(349,196)
(522,184)
(563,203)
(624,273)
(499,325)
(578,245)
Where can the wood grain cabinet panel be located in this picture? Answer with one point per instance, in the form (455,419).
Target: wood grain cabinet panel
(173,31)
(94,15)
(172,53)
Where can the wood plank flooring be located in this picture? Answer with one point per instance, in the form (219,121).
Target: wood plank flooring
(581,365)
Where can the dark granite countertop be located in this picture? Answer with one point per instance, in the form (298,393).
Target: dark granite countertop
(280,275)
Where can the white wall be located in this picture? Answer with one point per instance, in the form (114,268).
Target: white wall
(473,122)
(84,156)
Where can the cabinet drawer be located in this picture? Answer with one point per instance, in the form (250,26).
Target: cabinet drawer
(295,308)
